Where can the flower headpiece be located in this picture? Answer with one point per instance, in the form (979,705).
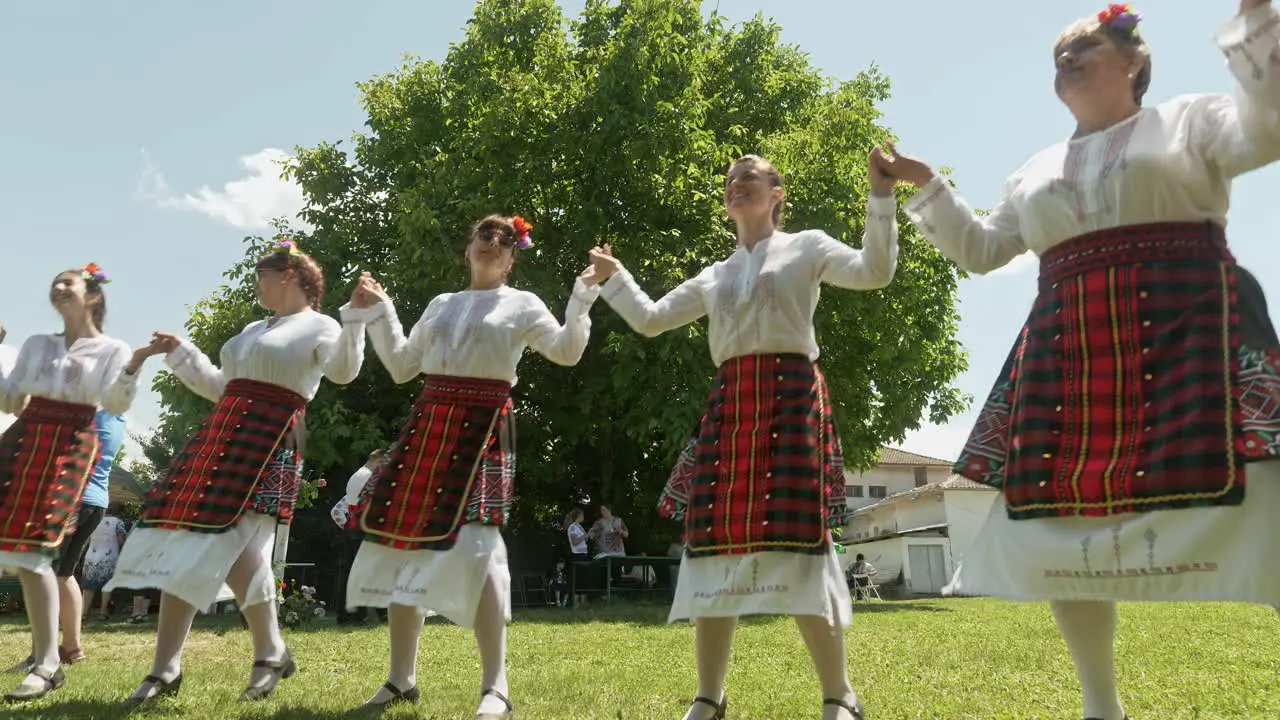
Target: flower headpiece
(288,246)
(93,273)
(1120,17)
(522,231)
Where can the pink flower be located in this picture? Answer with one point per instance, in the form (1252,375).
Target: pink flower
(322,483)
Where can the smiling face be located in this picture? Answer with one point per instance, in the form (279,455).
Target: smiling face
(272,287)
(753,190)
(72,297)
(1096,67)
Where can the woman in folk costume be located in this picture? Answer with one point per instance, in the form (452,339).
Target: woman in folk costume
(55,387)
(1131,427)
(762,480)
(432,515)
(212,517)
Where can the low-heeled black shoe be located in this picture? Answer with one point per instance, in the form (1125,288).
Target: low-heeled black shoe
(397,696)
(855,709)
(280,670)
(721,707)
(504,715)
(163,689)
(52,681)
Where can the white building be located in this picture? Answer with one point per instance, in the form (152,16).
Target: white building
(921,533)
(897,471)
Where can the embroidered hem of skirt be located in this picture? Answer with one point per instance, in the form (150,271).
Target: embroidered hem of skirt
(1224,553)
(441,582)
(764,583)
(193,566)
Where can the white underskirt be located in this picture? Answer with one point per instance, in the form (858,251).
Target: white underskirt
(764,583)
(1212,553)
(193,566)
(37,562)
(441,582)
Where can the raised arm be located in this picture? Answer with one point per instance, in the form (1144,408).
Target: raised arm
(340,350)
(196,370)
(975,243)
(676,309)
(119,387)
(873,266)
(1243,133)
(400,355)
(562,344)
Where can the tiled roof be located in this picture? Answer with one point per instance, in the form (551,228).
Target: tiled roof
(894,456)
(955,482)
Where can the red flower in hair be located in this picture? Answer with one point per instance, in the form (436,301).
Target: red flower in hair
(522,231)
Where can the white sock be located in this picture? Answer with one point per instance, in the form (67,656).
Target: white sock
(174,625)
(40,594)
(404,623)
(491,639)
(1089,628)
(826,648)
(713,639)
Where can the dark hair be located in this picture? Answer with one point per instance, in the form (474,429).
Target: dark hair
(496,228)
(575,513)
(98,310)
(769,171)
(307,270)
(859,556)
(4,332)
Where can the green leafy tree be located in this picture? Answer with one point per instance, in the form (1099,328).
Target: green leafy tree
(614,127)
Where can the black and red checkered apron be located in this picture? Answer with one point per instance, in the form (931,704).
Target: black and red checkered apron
(452,464)
(1145,378)
(764,472)
(46,458)
(215,478)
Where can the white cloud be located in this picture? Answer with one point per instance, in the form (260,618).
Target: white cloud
(248,203)
(1024,263)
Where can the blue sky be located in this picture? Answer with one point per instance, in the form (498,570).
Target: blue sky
(142,139)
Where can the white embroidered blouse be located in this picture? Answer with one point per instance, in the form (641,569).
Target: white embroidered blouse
(762,300)
(1169,163)
(292,351)
(89,372)
(474,333)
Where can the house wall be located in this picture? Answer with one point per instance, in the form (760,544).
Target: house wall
(893,478)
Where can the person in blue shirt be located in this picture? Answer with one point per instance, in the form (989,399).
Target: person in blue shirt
(93,507)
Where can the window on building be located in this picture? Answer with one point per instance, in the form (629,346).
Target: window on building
(853,491)
(876,491)
(922,476)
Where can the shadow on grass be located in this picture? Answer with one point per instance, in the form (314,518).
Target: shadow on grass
(111,710)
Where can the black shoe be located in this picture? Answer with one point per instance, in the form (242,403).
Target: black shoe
(25,667)
(397,696)
(280,670)
(855,709)
(163,689)
(720,707)
(504,715)
(52,681)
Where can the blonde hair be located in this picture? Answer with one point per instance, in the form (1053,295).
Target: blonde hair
(1131,44)
(769,171)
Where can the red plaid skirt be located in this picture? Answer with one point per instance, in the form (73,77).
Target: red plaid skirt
(246,443)
(452,464)
(46,458)
(1146,376)
(764,471)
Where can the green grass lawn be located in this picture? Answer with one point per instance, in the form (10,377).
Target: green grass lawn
(924,659)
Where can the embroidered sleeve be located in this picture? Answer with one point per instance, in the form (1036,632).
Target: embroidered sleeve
(400,355)
(975,243)
(1243,133)
(562,344)
(12,399)
(340,350)
(119,388)
(873,266)
(677,308)
(197,371)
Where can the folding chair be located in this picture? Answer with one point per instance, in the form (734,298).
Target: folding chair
(867,591)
